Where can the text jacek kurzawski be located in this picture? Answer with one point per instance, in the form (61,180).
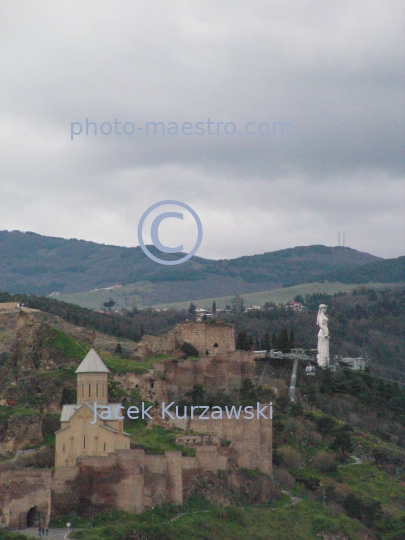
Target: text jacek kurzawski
(171,411)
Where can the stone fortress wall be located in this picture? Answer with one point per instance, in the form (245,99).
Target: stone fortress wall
(22,495)
(251,440)
(134,480)
(212,338)
(172,378)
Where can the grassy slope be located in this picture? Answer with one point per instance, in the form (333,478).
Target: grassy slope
(125,296)
(300,522)
(278,296)
(124,365)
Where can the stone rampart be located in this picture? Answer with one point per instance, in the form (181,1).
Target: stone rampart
(209,338)
(172,378)
(251,439)
(132,480)
(166,343)
(221,372)
(25,497)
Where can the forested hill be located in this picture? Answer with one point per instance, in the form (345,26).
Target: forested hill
(35,264)
(388,271)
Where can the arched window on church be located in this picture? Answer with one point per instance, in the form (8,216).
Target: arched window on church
(105,446)
(82,390)
(64,448)
(96,389)
(84,441)
(89,389)
(103,389)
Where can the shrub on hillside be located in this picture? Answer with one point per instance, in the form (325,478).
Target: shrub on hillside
(283,478)
(290,458)
(343,441)
(325,462)
(365,510)
(326,425)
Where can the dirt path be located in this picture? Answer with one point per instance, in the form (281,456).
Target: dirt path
(294,500)
(357,461)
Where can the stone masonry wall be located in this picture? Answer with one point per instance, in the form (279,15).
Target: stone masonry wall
(171,379)
(214,373)
(250,439)
(214,337)
(64,496)
(165,343)
(142,480)
(22,491)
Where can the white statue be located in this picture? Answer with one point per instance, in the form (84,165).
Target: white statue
(323,336)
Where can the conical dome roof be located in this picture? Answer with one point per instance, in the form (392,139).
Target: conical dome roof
(92,363)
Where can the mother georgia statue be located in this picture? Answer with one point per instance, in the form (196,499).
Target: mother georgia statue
(323,336)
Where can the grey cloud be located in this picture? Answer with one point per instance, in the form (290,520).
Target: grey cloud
(334,70)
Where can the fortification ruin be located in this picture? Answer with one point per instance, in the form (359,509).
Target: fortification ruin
(209,338)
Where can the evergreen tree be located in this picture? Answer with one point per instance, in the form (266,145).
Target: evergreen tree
(343,441)
(214,308)
(266,341)
(237,304)
(284,340)
(192,310)
(292,339)
(243,341)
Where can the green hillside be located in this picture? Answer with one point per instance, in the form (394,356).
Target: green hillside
(328,493)
(277,296)
(390,270)
(35,264)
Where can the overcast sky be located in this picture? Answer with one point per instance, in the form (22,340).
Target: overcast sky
(334,70)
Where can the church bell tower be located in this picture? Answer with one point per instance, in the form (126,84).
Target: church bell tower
(92,380)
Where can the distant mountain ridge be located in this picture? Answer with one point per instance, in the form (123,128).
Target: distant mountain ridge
(34,264)
(390,270)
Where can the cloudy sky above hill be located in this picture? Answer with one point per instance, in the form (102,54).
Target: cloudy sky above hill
(333,70)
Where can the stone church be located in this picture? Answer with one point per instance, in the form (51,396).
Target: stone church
(78,437)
